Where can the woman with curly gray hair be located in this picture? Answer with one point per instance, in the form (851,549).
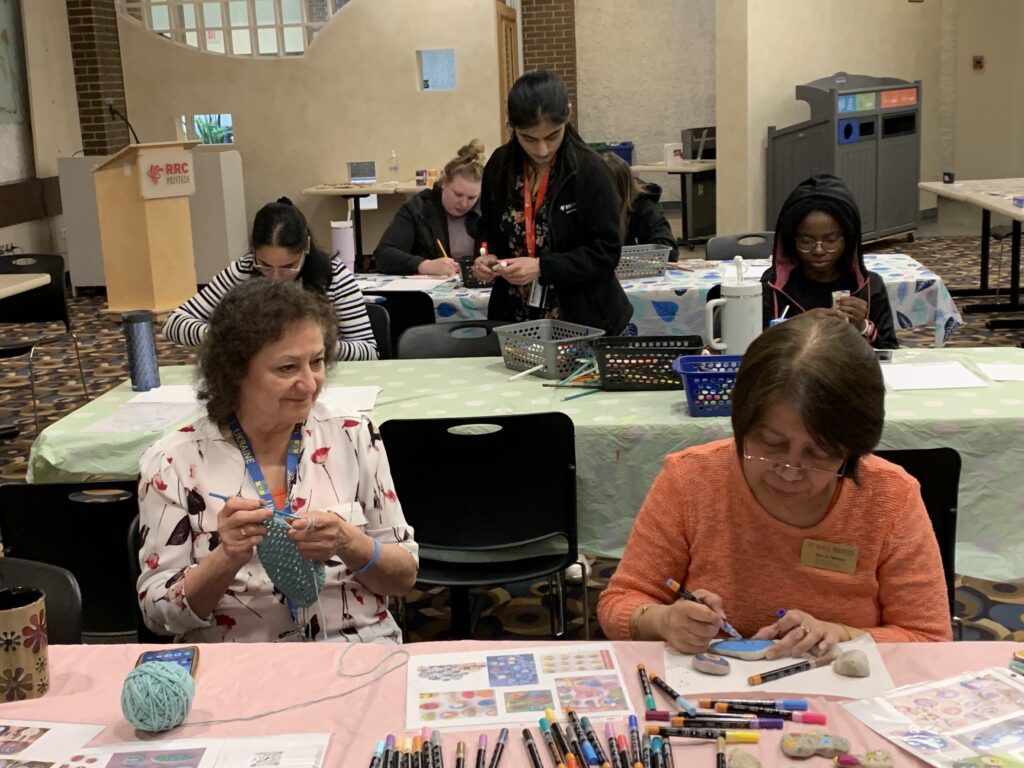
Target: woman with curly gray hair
(271,518)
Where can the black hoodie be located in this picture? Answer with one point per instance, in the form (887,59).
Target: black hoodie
(647,224)
(786,285)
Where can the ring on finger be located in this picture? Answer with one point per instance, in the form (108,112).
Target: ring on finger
(311,522)
(805,629)
(245,532)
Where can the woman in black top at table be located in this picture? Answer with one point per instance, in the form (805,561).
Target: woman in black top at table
(641,221)
(549,216)
(444,216)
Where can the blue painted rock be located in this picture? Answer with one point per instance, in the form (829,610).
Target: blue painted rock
(710,664)
(751,650)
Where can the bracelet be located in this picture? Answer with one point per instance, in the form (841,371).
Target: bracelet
(372,562)
(634,620)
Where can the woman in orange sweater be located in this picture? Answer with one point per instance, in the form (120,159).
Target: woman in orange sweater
(792,513)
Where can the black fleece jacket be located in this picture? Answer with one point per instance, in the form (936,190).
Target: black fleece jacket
(585,246)
(647,224)
(412,235)
(784,284)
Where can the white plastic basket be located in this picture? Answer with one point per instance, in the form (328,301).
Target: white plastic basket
(643,261)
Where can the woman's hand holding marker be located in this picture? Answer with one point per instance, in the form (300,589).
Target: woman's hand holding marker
(798,633)
(688,625)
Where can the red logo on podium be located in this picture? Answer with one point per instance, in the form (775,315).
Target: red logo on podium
(154,173)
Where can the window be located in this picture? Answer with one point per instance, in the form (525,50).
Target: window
(236,27)
(208,129)
(437,69)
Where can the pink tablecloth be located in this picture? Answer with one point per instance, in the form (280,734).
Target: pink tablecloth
(240,680)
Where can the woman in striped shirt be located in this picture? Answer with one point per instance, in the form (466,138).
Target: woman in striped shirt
(283,249)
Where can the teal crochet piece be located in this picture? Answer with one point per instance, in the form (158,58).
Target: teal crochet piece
(298,579)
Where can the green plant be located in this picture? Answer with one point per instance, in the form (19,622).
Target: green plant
(209,130)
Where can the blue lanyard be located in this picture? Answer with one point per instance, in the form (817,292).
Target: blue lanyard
(253,468)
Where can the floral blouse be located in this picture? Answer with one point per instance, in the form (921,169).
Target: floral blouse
(513,226)
(342,469)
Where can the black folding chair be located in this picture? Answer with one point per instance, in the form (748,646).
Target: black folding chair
(80,527)
(380,324)
(405,309)
(60,593)
(473,512)
(749,245)
(938,472)
(469,338)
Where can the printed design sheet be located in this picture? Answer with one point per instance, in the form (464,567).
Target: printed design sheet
(38,744)
(974,719)
(286,751)
(480,689)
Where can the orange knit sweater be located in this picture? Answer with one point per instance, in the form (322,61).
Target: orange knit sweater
(701,526)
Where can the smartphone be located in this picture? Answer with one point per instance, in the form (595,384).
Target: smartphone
(186,655)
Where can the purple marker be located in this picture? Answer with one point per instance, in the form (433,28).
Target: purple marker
(481,751)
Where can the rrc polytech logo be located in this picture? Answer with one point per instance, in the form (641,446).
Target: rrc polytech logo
(172,173)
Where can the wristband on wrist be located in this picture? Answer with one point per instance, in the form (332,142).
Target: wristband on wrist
(634,620)
(372,562)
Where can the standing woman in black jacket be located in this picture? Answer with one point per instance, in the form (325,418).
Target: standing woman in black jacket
(443,217)
(550,218)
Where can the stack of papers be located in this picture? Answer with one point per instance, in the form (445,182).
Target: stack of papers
(902,376)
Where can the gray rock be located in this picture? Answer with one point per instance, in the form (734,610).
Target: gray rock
(710,664)
(852,664)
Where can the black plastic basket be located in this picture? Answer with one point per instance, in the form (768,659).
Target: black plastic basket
(642,362)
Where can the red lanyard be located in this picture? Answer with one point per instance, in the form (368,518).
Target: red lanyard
(528,205)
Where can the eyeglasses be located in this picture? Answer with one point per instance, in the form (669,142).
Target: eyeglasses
(830,244)
(281,272)
(778,465)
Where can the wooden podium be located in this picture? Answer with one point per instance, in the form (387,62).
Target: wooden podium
(142,200)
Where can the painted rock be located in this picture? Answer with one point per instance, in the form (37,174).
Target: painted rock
(852,664)
(740,759)
(710,664)
(814,743)
(876,758)
(751,650)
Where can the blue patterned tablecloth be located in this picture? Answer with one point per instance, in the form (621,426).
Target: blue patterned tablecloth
(673,304)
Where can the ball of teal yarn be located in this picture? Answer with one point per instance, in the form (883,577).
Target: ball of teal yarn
(157,696)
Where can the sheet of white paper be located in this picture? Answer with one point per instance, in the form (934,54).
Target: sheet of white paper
(482,689)
(410,284)
(294,750)
(43,742)
(952,375)
(167,393)
(680,674)
(349,399)
(1002,371)
(144,417)
(961,720)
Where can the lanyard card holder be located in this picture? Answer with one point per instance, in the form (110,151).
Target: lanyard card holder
(538,295)
(296,577)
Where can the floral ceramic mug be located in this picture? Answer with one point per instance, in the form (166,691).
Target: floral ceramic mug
(24,661)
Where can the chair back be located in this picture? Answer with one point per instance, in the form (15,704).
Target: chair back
(486,483)
(61,593)
(938,472)
(80,527)
(380,324)
(47,304)
(470,338)
(406,309)
(750,245)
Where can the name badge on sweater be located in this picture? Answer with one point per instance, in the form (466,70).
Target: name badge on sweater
(841,558)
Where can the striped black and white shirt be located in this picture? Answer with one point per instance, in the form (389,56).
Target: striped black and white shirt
(187,325)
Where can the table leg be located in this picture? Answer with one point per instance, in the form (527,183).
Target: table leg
(357,225)
(986,235)
(682,199)
(1014,304)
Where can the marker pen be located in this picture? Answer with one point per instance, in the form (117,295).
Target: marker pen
(481,751)
(666,753)
(676,587)
(435,747)
(576,734)
(499,748)
(556,732)
(417,750)
(673,696)
(656,752)
(556,753)
(460,755)
(378,755)
(756,723)
(661,716)
(613,753)
(576,749)
(428,752)
(720,752)
(634,741)
(792,669)
(737,737)
(588,728)
(389,751)
(531,749)
(811,718)
(791,704)
(623,750)
(645,750)
(645,685)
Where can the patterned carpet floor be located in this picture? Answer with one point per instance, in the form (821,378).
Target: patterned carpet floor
(990,610)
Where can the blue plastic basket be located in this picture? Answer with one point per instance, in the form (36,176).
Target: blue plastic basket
(708,380)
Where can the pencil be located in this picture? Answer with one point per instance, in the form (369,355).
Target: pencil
(444,253)
(676,587)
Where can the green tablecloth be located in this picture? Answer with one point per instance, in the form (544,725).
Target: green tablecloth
(622,437)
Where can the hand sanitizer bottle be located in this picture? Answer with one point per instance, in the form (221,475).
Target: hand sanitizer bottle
(393,167)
